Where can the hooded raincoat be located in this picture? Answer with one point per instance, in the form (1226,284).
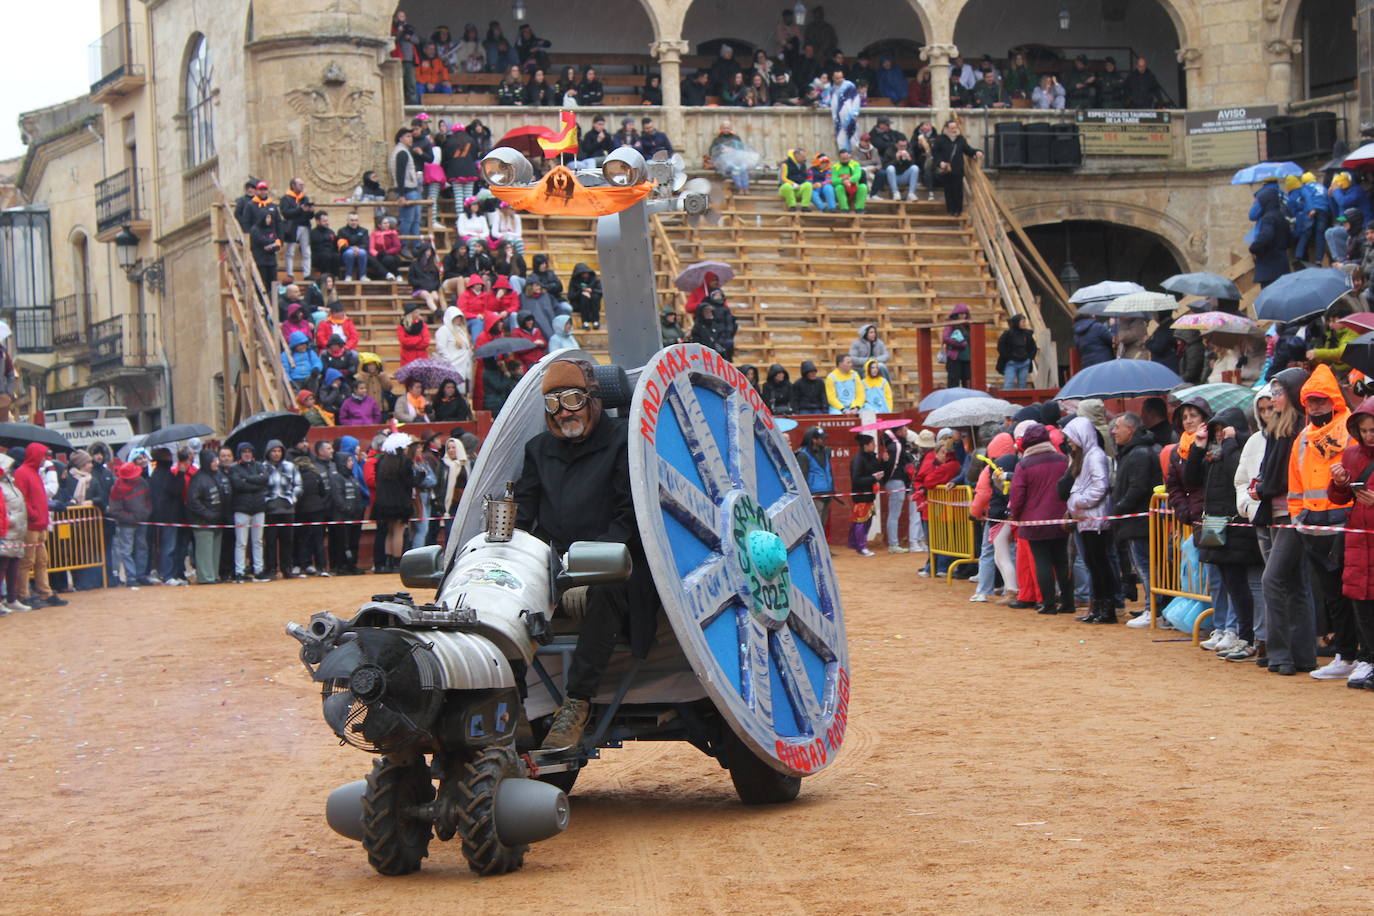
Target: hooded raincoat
(1090,496)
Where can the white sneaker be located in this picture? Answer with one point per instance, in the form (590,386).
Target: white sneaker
(1228,642)
(897,548)
(911,196)
(174,581)
(924,573)
(17,605)
(978,596)
(866,553)
(1362,671)
(919,547)
(930,195)
(1336,669)
(391,276)
(1210,643)
(1139,623)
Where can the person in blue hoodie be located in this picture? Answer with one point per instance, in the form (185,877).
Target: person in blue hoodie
(1345,193)
(1317,209)
(1269,248)
(307,367)
(1093,340)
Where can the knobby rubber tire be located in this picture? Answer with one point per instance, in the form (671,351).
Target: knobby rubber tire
(475,794)
(395,842)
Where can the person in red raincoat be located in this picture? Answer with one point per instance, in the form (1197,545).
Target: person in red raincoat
(709,284)
(413,334)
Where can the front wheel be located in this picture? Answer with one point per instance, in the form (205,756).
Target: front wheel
(476,795)
(756,783)
(396,841)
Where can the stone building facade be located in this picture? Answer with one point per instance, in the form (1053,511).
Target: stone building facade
(215,93)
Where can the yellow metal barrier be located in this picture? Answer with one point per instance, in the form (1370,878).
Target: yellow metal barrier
(951,527)
(1166,576)
(76,540)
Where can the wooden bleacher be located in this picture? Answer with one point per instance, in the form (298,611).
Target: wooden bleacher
(805,282)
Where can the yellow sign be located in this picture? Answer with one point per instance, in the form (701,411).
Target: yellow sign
(1125,133)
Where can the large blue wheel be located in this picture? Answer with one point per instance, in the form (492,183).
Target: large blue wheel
(739,558)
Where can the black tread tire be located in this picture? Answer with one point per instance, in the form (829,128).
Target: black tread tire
(395,843)
(756,783)
(476,797)
(563,780)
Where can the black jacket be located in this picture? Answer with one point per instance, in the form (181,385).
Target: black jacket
(590,93)
(777,396)
(296,212)
(1214,470)
(1163,346)
(356,236)
(102,482)
(1015,345)
(323,244)
(1137,475)
(315,492)
(349,500)
(577,284)
(580,491)
(953,152)
(862,470)
(693,93)
(540,94)
(209,499)
(592,145)
(249,482)
(808,395)
(168,505)
(455,410)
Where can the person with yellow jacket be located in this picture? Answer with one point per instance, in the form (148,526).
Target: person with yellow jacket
(795,188)
(1291,624)
(877,392)
(844,389)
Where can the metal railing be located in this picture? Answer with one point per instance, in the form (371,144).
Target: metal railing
(1169,574)
(115,55)
(32,330)
(71,319)
(200,189)
(123,340)
(119,199)
(950,526)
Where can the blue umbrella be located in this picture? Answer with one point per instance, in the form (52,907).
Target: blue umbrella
(1303,294)
(945,396)
(1265,171)
(1120,378)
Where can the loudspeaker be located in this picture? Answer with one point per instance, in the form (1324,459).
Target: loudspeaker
(1066,148)
(1279,141)
(1009,144)
(1039,140)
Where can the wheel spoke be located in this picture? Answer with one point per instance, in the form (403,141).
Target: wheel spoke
(758,690)
(688,504)
(816,630)
(797,682)
(707,590)
(742,444)
(792,517)
(700,441)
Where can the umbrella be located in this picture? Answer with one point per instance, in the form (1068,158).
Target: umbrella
(1362,158)
(942,396)
(1218,395)
(693,275)
(1265,171)
(431,372)
(1303,294)
(973,411)
(1107,289)
(260,428)
(1360,353)
(499,347)
(1120,378)
(1201,284)
(878,425)
(1359,321)
(1133,303)
(179,432)
(12,434)
(526,140)
(1210,322)
(127,447)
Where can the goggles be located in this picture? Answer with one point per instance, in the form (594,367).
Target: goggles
(570,399)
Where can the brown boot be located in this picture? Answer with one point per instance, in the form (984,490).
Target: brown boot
(568,724)
(1261,654)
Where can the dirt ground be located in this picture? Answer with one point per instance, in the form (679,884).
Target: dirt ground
(163,751)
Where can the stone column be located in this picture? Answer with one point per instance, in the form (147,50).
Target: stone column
(1281,52)
(669,55)
(1191,59)
(938,57)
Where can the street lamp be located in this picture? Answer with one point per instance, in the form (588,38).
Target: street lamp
(799,13)
(126,253)
(1063,18)
(518,10)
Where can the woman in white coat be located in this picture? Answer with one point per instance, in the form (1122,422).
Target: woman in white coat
(453,345)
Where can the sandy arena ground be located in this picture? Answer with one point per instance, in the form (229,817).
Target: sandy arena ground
(163,751)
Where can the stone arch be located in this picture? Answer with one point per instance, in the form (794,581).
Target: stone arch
(676,14)
(1187,25)
(1187,244)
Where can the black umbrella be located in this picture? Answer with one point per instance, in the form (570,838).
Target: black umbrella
(502,345)
(178,432)
(1360,353)
(260,428)
(12,434)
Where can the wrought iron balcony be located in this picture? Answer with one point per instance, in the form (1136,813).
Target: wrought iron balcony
(32,330)
(121,342)
(119,201)
(71,321)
